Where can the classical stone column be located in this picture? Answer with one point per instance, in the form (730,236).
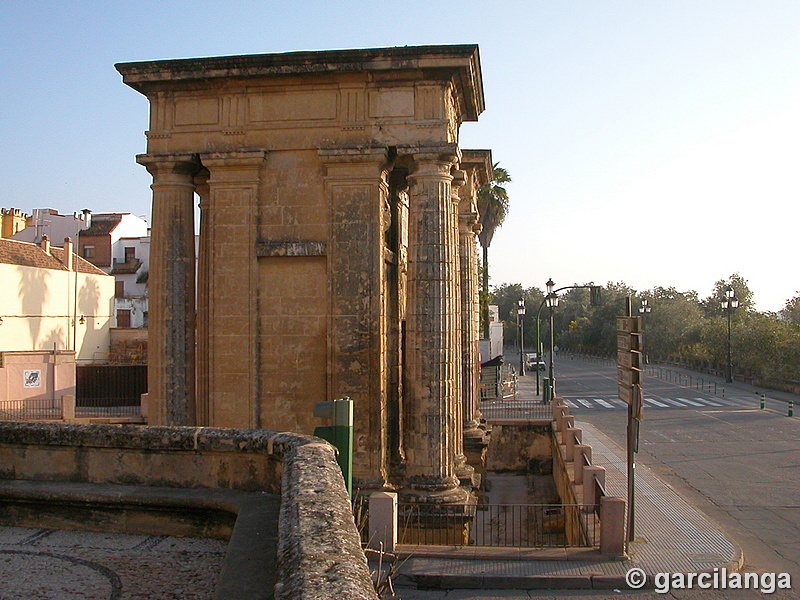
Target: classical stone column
(204,257)
(464,472)
(432,345)
(474,435)
(229,289)
(171,288)
(357,191)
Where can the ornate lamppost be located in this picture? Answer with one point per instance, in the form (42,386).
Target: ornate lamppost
(645,309)
(729,303)
(552,301)
(520,315)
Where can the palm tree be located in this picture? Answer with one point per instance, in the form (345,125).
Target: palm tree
(493,208)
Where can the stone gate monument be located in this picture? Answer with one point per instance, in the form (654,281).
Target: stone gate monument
(337,249)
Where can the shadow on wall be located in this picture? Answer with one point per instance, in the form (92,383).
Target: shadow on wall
(32,283)
(88,303)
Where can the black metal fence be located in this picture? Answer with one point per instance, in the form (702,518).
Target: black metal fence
(685,380)
(36,409)
(510,408)
(109,390)
(498,525)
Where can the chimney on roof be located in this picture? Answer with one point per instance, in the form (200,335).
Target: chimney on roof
(45,244)
(68,259)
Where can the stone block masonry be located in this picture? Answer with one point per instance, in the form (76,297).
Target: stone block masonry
(279,497)
(336,256)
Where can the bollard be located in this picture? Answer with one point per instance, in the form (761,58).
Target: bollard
(339,433)
(383,521)
(571,434)
(558,404)
(68,407)
(612,526)
(583,453)
(590,476)
(561,418)
(762,401)
(791,408)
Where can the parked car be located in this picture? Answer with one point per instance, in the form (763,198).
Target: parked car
(533,363)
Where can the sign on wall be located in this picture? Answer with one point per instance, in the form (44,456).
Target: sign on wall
(32,378)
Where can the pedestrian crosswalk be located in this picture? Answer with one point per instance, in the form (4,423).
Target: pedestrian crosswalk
(608,402)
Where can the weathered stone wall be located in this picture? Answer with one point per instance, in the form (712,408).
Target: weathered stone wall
(329,247)
(183,457)
(319,554)
(520,446)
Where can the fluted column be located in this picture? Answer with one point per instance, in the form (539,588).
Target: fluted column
(470,324)
(171,288)
(464,472)
(433,353)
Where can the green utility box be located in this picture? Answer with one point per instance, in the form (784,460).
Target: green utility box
(546,391)
(339,433)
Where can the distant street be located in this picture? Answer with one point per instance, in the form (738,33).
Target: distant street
(736,462)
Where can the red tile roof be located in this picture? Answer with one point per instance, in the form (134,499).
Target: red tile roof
(26,254)
(102,224)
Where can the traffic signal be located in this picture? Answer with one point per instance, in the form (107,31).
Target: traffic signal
(594,295)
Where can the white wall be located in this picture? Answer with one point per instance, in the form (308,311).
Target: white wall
(45,311)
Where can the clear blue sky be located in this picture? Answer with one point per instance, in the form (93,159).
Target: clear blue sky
(655,142)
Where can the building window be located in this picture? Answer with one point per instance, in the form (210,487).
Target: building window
(130,254)
(123,318)
(88,252)
(119,289)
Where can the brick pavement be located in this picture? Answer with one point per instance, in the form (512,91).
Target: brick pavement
(49,564)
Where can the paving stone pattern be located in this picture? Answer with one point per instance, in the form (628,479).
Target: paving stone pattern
(48,564)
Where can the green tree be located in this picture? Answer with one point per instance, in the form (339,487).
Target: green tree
(492,210)
(741,290)
(579,326)
(791,310)
(507,297)
(672,328)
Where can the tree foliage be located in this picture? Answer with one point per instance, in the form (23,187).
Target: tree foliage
(492,211)
(679,326)
(791,310)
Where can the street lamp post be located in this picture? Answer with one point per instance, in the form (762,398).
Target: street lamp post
(520,315)
(728,304)
(644,309)
(552,301)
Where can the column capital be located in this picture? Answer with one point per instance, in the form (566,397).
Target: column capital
(184,165)
(350,163)
(468,222)
(425,156)
(237,166)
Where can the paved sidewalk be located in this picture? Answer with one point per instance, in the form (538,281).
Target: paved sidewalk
(670,536)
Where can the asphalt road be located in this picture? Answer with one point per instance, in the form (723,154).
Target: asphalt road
(737,463)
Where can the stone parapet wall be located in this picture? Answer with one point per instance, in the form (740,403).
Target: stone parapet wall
(319,552)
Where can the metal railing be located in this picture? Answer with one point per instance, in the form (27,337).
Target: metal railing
(685,380)
(515,409)
(498,525)
(48,409)
(107,408)
(30,409)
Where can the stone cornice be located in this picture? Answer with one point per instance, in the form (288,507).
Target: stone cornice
(480,161)
(458,63)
